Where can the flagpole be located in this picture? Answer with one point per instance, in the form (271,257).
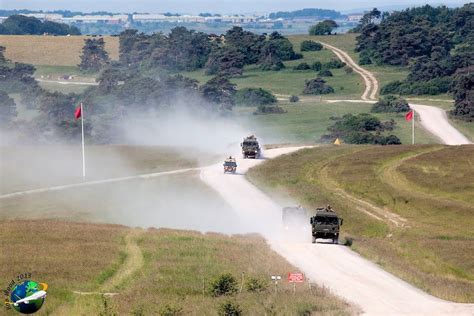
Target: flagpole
(413,129)
(83,153)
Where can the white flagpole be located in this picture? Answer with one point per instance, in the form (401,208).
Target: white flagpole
(83,153)
(413,128)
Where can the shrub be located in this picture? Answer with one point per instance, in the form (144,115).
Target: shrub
(225,284)
(170,310)
(307,46)
(390,104)
(431,87)
(302,66)
(269,109)
(254,96)
(317,86)
(294,98)
(334,64)
(255,285)
(317,66)
(272,65)
(325,73)
(229,309)
(348,70)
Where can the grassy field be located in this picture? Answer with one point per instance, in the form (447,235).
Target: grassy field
(51,50)
(288,81)
(177,267)
(418,223)
(308,121)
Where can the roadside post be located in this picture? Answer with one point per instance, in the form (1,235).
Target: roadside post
(276,278)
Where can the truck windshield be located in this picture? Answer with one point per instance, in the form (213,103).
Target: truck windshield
(320,220)
(250,144)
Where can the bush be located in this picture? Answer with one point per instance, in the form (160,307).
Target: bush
(317,66)
(317,86)
(269,109)
(307,46)
(170,310)
(254,96)
(334,64)
(431,87)
(348,70)
(294,98)
(302,66)
(325,73)
(270,65)
(229,309)
(255,285)
(390,104)
(225,284)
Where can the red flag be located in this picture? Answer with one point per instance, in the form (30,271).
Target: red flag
(409,116)
(78,112)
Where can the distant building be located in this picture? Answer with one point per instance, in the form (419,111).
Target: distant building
(109,19)
(354,17)
(46,16)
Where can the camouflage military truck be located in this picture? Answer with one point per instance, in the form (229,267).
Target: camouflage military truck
(325,224)
(294,218)
(230,165)
(250,147)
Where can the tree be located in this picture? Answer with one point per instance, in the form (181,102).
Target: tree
(317,86)
(248,43)
(323,28)
(225,61)
(463,91)
(219,90)
(3,60)
(7,109)
(367,19)
(23,25)
(94,57)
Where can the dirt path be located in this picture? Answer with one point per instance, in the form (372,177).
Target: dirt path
(95,182)
(371,83)
(347,274)
(133,262)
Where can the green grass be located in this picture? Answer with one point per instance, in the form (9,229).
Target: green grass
(429,186)
(308,121)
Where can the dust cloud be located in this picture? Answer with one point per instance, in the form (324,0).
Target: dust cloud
(177,138)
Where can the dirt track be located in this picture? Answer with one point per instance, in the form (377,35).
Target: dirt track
(371,83)
(347,274)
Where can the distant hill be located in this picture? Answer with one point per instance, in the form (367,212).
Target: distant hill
(25,25)
(305,13)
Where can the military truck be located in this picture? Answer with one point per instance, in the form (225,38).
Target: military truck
(230,165)
(325,224)
(250,147)
(294,218)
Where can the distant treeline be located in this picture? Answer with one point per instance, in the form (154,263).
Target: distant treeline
(314,13)
(24,25)
(436,44)
(64,13)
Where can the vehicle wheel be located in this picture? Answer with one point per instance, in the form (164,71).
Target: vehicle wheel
(314,240)
(335,241)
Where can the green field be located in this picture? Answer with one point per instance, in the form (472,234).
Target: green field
(418,223)
(308,121)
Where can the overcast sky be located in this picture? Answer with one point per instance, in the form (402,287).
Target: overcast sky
(213,6)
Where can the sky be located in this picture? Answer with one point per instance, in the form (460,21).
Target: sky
(213,6)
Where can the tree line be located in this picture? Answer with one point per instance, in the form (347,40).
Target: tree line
(436,44)
(25,25)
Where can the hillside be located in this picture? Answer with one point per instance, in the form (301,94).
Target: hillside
(409,209)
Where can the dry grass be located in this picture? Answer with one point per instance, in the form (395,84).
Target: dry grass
(67,256)
(75,257)
(179,267)
(51,50)
(434,250)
